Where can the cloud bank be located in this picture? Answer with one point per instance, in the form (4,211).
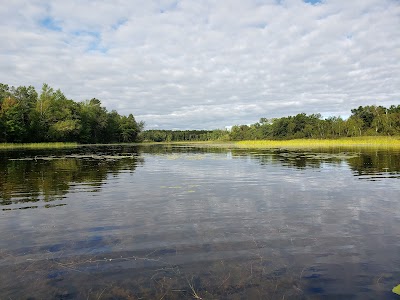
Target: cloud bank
(207,64)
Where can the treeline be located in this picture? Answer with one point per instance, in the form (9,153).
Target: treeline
(26,116)
(183,135)
(364,121)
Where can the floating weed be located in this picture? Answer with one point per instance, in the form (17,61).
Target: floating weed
(319,156)
(173,156)
(396,289)
(75,156)
(195,157)
(190,188)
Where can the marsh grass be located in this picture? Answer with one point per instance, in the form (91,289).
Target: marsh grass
(348,143)
(37,145)
(345,143)
(355,142)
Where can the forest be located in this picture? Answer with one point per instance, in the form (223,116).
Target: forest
(363,121)
(29,117)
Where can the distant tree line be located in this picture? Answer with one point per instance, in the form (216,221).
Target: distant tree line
(183,135)
(26,116)
(364,121)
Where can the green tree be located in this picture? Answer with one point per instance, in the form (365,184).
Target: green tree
(12,120)
(129,129)
(239,132)
(112,131)
(365,114)
(42,114)
(354,126)
(94,121)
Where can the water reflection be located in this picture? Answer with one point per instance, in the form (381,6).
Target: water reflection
(366,164)
(361,161)
(375,165)
(200,222)
(29,177)
(41,177)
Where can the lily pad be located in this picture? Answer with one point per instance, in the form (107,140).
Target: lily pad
(396,289)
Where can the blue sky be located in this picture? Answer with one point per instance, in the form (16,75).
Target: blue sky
(50,24)
(207,64)
(313,1)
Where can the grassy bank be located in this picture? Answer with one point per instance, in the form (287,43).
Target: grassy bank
(37,145)
(357,142)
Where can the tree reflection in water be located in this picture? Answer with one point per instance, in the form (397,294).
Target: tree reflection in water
(42,177)
(207,223)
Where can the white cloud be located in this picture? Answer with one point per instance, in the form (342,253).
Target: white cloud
(207,64)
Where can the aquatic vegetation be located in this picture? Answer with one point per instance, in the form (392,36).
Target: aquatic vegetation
(262,225)
(158,275)
(396,289)
(37,145)
(77,156)
(362,142)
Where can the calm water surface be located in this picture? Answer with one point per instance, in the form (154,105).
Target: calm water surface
(166,222)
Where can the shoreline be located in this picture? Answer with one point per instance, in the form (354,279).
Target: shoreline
(376,142)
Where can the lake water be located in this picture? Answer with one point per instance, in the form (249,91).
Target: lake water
(176,222)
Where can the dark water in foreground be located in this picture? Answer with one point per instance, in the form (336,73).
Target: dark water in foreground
(181,223)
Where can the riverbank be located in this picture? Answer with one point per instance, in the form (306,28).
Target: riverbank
(37,145)
(366,142)
(354,142)
(378,142)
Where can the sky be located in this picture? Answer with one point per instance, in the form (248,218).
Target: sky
(207,64)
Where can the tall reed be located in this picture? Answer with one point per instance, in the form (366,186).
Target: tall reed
(37,145)
(357,142)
